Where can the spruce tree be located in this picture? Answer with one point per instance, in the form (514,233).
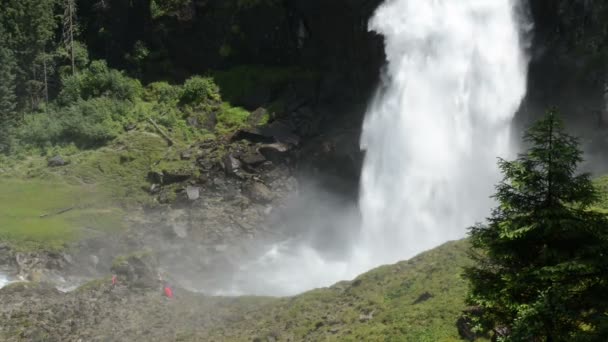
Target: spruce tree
(541,270)
(8,100)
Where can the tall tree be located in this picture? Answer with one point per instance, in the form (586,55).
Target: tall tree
(8,100)
(30,27)
(69,28)
(542,257)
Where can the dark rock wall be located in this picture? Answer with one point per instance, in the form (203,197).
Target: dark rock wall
(568,69)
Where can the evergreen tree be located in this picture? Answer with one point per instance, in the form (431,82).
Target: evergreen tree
(542,257)
(30,27)
(8,100)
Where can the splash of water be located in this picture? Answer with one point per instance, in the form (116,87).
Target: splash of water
(455,77)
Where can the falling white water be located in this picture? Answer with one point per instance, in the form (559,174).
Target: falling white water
(455,77)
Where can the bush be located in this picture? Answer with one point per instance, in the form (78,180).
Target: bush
(96,81)
(200,90)
(87,124)
(163,92)
(231,118)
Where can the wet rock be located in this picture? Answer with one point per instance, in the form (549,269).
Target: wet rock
(259,192)
(57,161)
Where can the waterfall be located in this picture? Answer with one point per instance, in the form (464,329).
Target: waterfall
(455,77)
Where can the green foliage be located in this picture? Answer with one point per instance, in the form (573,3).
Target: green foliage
(99,80)
(29,27)
(380,305)
(81,58)
(8,99)
(87,124)
(238,82)
(231,118)
(163,92)
(160,8)
(542,256)
(199,90)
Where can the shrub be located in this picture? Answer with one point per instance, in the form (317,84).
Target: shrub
(87,124)
(200,90)
(231,118)
(163,92)
(96,81)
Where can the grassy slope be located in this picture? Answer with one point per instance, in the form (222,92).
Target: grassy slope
(387,294)
(97,183)
(22,203)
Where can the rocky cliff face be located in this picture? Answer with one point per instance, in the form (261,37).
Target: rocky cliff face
(568,70)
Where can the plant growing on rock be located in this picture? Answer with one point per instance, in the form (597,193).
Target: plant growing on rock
(543,255)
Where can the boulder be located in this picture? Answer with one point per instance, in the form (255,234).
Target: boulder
(231,164)
(193,192)
(138,269)
(252,158)
(259,192)
(57,161)
(276,152)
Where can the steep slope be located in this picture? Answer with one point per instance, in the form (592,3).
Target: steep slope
(416,300)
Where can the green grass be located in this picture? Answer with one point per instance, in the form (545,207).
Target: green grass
(23,202)
(390,292)
(602,185)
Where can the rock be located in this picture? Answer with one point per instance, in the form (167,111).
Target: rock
(155,177)
(277,131)
(231,164)
(276,152)
(193,192)
(57,161)
(176,176)
(186,155)
(206,164)
(180,230)
(94,260)
(366,317)
(137,269)
(154,189)
(259,192)
(257,116)
(252,158)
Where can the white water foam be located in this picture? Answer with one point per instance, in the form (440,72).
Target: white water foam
(455,77)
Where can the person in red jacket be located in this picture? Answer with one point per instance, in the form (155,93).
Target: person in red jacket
(168,291)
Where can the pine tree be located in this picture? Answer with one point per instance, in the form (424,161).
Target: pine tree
(69,29)
(542,257)
(8,100)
